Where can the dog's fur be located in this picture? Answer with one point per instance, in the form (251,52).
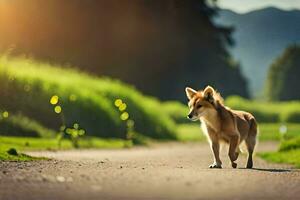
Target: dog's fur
(221,123)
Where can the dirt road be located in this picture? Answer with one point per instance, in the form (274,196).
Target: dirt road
(169,171)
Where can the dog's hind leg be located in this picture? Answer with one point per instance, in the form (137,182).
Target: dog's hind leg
(233,146)
(250,142)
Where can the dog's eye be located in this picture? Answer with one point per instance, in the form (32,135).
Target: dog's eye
(199,106)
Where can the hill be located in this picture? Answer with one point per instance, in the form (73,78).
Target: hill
(27,86)
(260,36)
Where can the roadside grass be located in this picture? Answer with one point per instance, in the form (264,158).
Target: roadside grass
(29,143)
(290,157)
(4,156)
(21,144)
(289,149)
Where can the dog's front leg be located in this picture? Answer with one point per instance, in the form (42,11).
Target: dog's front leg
(233,149)
(215,146)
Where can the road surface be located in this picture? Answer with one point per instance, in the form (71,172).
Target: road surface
(164,171)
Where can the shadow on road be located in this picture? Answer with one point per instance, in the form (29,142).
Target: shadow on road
(270,170)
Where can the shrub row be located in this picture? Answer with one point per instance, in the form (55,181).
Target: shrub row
(26,87)
(288,112)
(264,112)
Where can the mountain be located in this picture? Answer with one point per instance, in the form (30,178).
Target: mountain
(260,36)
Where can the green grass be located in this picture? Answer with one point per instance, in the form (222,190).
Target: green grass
(4,156)
(289,149)
(290,144)
(28,143)
(290,157)
(22,144)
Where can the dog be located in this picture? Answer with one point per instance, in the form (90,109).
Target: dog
(221,123)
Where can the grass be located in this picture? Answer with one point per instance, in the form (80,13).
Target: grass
(21,144)
(289,149)
(290,157)
(4,156)
(28,143)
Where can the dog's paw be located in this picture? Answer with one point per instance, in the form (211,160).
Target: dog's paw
(234,165)
(235,156)
(215,166)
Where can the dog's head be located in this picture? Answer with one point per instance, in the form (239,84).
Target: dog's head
(200,102)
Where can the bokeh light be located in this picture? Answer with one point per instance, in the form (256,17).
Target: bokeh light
(81,132)
(57,109)
(5,114)
(124,116)
(122,107)
(76,126)
(54,100)
(118,102)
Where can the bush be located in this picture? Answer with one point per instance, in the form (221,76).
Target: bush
(288,112)
(290,144)
(26,87)
(18,125)
(177,111)
(291,116)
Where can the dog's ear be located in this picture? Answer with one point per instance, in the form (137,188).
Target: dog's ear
(190,92)
(209,93)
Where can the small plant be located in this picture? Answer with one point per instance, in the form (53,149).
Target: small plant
(124,116)
(73,132)
(54,100)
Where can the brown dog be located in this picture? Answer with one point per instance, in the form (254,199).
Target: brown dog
(220,123)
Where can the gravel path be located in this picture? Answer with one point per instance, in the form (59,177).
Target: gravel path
(164,171)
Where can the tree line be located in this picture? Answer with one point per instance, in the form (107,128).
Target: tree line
(158,46)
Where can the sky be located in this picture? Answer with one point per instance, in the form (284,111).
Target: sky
(242,6)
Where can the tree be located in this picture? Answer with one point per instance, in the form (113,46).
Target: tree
(283,77)
(158,46)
